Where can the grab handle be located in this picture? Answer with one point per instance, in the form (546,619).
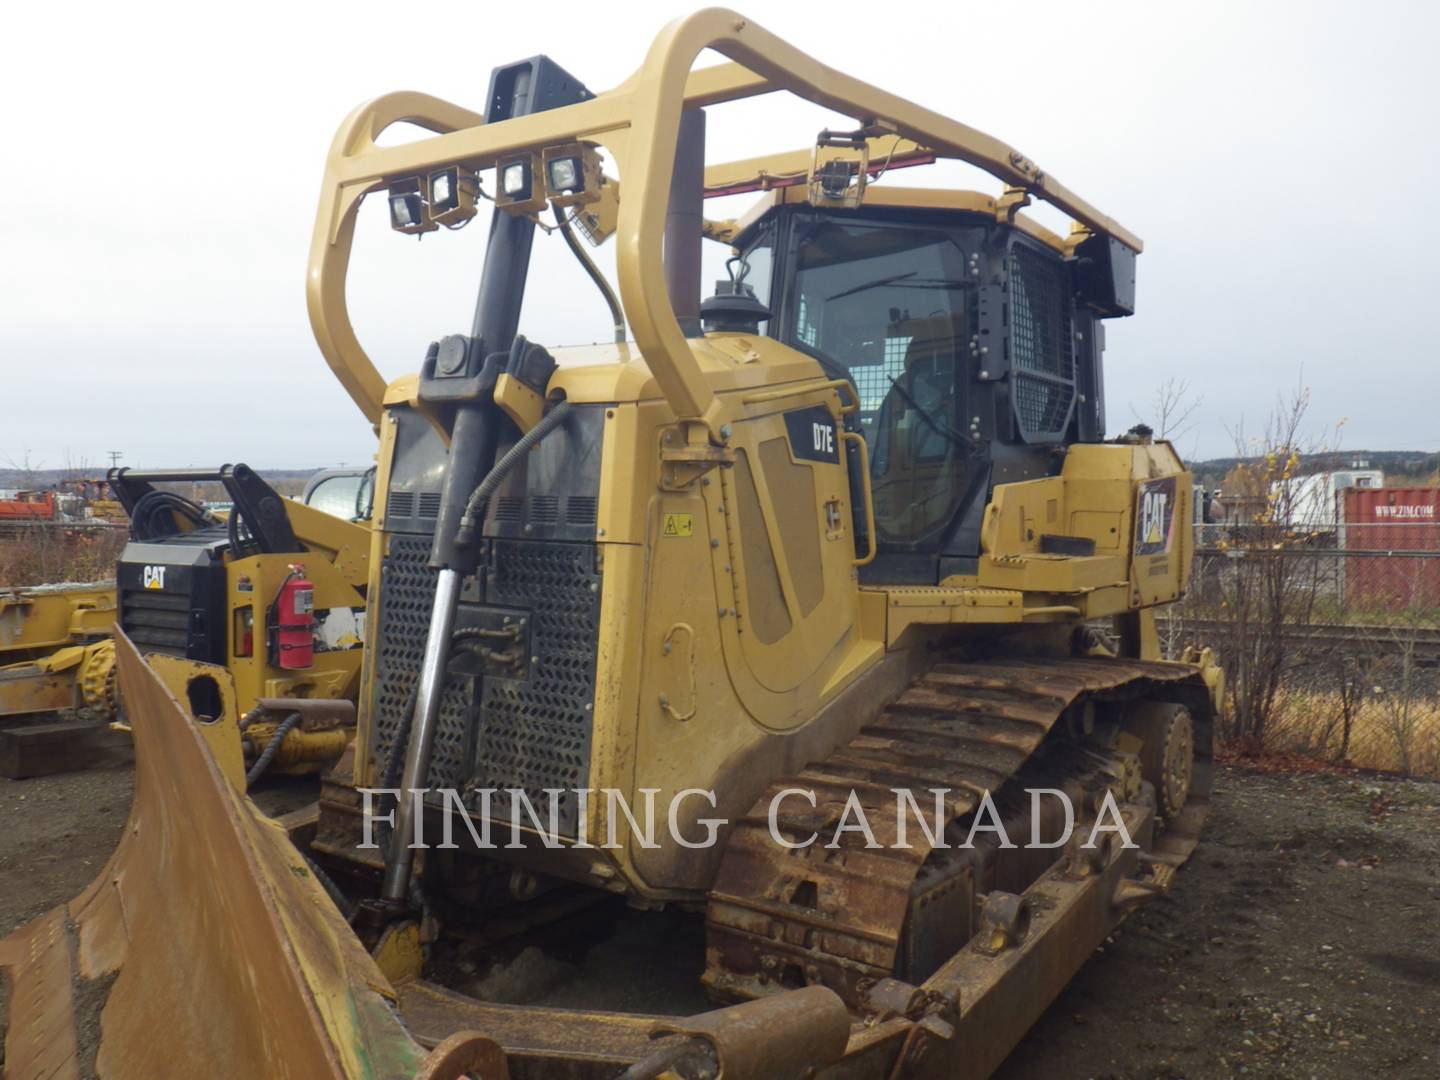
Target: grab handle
(868,493)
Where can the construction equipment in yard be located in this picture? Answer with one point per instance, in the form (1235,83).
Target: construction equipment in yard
(221,595)
(828,541)
(54,641)
(29,506)
(243,602)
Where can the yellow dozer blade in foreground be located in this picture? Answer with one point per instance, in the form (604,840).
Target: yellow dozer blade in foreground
(207,942)
(224,950)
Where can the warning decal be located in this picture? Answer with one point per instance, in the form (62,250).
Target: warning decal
(678,525)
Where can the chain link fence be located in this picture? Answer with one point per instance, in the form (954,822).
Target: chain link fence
(1330,640)
(42,553)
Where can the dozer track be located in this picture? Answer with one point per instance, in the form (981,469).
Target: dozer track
(848,916)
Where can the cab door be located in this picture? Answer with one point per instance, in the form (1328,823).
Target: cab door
(785,563)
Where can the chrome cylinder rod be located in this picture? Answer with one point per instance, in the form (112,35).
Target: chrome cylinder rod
(422,735)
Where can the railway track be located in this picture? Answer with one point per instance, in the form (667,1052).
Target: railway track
(1421,642)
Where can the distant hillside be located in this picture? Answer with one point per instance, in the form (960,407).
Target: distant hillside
(1402,468)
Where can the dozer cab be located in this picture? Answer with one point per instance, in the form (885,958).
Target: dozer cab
(777,618)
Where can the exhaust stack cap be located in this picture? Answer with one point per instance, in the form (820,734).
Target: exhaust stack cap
(733,309)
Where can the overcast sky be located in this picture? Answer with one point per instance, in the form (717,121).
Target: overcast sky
(162,165)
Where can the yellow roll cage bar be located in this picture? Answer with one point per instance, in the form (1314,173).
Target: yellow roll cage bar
(637,123)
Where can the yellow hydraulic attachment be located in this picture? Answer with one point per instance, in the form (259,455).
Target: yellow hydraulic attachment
(55,639)
(58,638)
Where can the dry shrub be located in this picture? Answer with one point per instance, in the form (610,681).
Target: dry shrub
(1261,592)
(1385,733)
(44,554)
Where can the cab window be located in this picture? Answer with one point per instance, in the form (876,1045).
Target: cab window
(893,306)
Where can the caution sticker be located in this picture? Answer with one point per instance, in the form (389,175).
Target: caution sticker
(678,525)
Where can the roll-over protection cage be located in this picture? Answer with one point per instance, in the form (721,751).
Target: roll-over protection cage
(637,123)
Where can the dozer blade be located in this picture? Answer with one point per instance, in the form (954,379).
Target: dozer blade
(205,945)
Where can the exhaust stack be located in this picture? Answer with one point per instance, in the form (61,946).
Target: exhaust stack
(684,221)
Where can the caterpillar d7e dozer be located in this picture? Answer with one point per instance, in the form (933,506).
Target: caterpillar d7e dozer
(830,569)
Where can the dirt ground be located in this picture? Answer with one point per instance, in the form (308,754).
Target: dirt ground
(1302,941)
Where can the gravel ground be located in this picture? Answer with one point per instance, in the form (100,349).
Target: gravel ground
(1302,941)
(58,832)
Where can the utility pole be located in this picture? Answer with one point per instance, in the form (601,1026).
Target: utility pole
(115,456)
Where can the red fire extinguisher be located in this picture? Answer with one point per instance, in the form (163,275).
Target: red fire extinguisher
(294,621)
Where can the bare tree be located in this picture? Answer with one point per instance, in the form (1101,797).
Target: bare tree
(26,468)
(1172,409)
(1272,593)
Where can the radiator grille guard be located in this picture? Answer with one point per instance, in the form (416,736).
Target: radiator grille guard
(407,593)
(528,733)
(534,733)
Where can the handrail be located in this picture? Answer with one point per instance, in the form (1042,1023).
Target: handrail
(638,124)
(868,491)
(796,389)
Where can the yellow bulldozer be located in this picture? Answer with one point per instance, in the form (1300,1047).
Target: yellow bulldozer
(203,590)
(788,664)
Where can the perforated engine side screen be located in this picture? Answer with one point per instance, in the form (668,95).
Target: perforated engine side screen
(407,593)
(534,733)
(1042,348)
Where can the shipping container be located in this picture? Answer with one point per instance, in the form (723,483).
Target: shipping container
(1403,526)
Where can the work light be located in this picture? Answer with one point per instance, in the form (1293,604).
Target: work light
(452,196)
(408,213)
(572,173)
(406,210)
(442,188)
(521,184)
(564,175)
(515,180)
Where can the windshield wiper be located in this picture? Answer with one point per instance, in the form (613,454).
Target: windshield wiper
(932,422)
(871,285)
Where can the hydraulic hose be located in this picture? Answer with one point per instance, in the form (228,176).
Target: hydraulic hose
(240,546)
(474,506)
(395,760)
(152,503)
(347,909)
(617,313)
(271,748)
(395,753)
